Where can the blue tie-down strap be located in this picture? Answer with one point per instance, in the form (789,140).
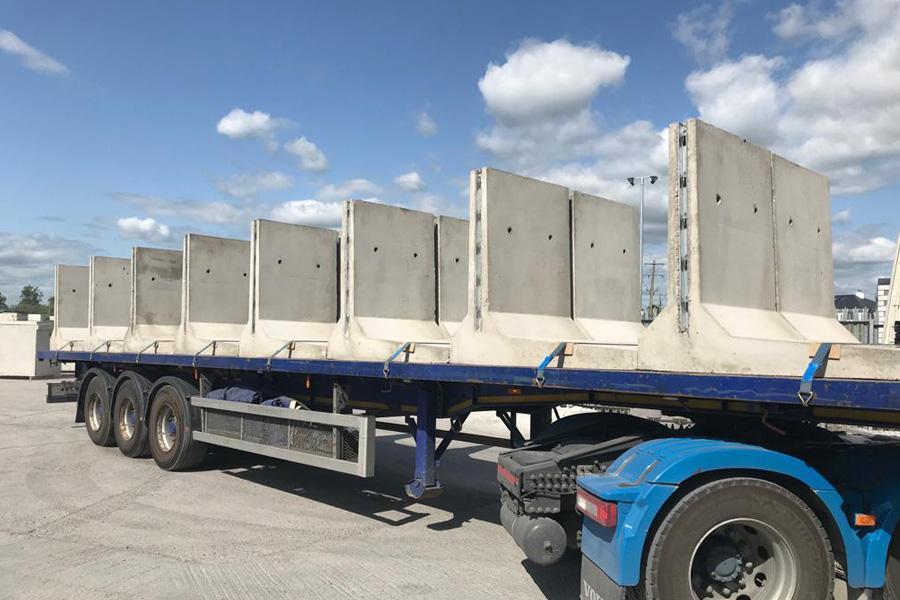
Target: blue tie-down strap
(539,374)
(815,366)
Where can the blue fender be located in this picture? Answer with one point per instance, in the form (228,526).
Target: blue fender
(643,479)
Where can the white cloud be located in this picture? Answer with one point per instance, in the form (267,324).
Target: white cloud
(837,112)
(874,250)
(541,79)
(191,210)
(31,57)
(740,96)
(247,186)
(425,125)
(147,229)
(704,31)
(861,255)
(30,260)
(410,182)
(841,217)
(309,212)
(311,157)
(242,124)
(351,189)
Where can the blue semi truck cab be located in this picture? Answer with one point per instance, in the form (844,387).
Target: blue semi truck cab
(692,517)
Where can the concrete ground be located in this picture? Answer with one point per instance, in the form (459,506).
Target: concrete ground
(79,521)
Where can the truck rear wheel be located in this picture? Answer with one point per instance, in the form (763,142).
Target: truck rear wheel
(170,426)
(741,539)
(892,576)
(129,415)
(97,409)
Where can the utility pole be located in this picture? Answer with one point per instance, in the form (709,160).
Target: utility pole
(652,291)
(641,178)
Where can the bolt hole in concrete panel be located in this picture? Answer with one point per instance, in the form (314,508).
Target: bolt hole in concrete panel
(736,281)
(755,209)
(222,298)
(718,199)
(156,293)
(279,261)
(415,255)
(607,296)
(804,258)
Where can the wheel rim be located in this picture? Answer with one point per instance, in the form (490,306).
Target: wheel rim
(127,418)
(95,411)
(743,559)
(166,428)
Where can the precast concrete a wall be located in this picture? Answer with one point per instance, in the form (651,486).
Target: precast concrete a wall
(388,285)
(71,308)
(453,271)
(109,302)
(294,290)
(155,300)
(215,295)
(520,290)
(606,269)
(754,222)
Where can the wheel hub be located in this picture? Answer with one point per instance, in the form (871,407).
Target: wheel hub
(723,560)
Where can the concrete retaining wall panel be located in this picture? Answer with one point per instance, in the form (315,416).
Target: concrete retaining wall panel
(453,270)
(606,277)
(110,299)
(295,290)
(155,299)
(72,306)
(526,226)
(216,292)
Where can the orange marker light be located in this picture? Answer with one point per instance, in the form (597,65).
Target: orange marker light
(863,520)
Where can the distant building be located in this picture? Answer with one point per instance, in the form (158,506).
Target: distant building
(881,297)
(857,314)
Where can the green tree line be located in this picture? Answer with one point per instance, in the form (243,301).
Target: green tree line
(31,300)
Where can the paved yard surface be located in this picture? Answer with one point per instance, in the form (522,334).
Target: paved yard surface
(78,521)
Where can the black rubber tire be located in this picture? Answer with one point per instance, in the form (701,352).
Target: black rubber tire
(172,394)
(892,576)
(668,568)
(97,393)
(129,394)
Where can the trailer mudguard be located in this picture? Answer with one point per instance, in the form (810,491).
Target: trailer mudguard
(643,479)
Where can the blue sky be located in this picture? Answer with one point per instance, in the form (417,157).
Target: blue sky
(125,123)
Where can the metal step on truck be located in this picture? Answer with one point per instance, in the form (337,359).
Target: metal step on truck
(734,455)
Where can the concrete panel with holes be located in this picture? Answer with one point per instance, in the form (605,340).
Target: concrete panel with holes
(109,303)
(155,300)
(453,271)
(520,301)
(388,286)
(71,308)
(755,294)
(294,290)
(215,295)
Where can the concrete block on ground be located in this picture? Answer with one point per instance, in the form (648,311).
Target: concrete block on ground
(109,303)
(20,341)
(71,307)
(520,301)
(215,295)
(155,300)
(388,286)
(453,271)
(294,290)
(750,308)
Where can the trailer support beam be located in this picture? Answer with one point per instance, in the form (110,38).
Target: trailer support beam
(424,483)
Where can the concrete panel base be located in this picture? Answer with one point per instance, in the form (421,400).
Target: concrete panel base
(72,307)
(155,300)
(215,293)
(294,295)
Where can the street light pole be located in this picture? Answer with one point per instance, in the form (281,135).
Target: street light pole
(653,179)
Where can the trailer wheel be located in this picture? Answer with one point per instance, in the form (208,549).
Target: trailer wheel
(98,409)
(892,575)
(129,414)
(741,539)
(171,426)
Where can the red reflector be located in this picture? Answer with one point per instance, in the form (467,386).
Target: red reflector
(503,473)
(601,511)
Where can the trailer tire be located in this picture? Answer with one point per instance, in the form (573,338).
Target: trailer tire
(171,425)
(892,574)
(739,532)
(98,408)
(130,414)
